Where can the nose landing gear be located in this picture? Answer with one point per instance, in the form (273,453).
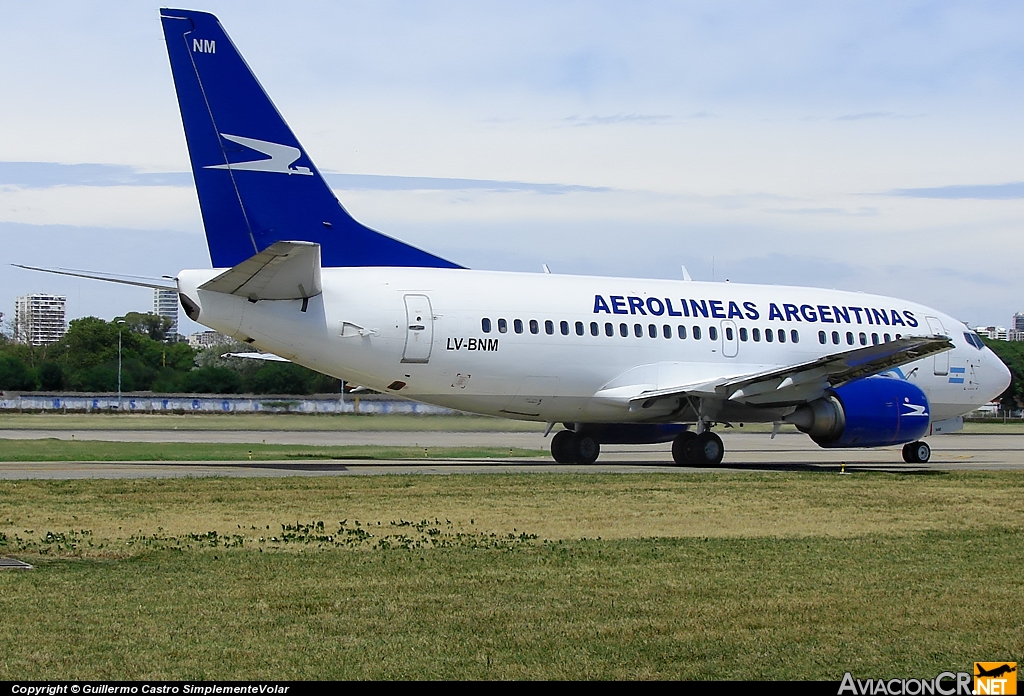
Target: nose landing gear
(916,452)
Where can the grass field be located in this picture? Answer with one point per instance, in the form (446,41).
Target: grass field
(751,576)
(53,450)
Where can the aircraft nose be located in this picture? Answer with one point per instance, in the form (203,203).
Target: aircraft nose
(998,374)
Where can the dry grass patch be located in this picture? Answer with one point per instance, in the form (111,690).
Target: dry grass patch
(551,506)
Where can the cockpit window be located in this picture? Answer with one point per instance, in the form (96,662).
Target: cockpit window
(974,339)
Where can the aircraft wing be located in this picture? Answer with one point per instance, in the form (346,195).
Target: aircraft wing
(282,271)
(165,283)
(803,382)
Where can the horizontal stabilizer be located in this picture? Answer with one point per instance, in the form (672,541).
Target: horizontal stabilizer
(139,281)
(282,271)
(269,357)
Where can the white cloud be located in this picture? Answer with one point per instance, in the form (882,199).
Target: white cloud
(763,135)
(138,207)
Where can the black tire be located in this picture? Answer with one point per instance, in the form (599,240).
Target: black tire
(705,450)
(916,452)
(563,447)
(679,445)
(587,449)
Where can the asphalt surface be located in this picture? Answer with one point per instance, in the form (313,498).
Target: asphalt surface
(744,452)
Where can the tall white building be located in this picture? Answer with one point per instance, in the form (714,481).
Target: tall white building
(39,318)
(165,304)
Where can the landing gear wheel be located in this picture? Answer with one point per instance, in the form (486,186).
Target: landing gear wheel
(587,449)
(679,446)
(705,449)
(916,452)
(562,447)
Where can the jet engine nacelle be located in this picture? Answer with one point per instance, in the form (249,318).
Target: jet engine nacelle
(870,412)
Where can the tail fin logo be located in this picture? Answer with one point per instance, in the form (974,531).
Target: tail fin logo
(282,157)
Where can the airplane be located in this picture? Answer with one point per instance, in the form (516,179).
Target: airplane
(999,671)
(615,360)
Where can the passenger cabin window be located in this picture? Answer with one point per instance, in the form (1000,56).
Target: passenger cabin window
(666,331)
(563,326)
(594,328)
(885,338)
(485,325)
(794,336)
(502,326)
(696,333)
(623,330)
(652,331)
(681,331)
(549,327)
(769,335)
(579,328)
(609,330)
(728,333)
(822,338)
(756,335)
(518,325)
(638,330)
(835,337)
(712,333)
(874,339)
(863,338)
(743,334)
(849,338)
(534,326)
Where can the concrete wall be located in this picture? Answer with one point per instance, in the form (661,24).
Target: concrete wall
(210,403)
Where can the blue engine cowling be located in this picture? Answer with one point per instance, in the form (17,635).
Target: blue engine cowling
(871,412)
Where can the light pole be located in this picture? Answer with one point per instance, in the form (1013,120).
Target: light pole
(120,324)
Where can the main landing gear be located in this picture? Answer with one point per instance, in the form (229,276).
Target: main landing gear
(916,452)
(692,449)
(568,447)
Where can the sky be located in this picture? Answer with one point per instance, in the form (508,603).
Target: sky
(871,146)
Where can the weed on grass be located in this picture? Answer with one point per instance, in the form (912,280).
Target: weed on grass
(400,534)
(721,576)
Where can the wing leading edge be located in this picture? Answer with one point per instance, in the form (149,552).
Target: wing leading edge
(802,382)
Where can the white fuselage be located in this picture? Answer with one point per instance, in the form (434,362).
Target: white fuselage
(423,334)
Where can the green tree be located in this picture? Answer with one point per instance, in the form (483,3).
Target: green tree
(51,377)
(15,375)
(1012,354)
(152,325)
(211,380)
(279,378)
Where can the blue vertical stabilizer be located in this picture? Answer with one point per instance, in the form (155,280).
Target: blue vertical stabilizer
(256,184)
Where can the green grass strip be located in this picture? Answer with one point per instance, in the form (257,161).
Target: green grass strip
(882,606)
(53,450)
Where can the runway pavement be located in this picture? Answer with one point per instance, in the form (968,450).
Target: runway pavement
(744,452)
